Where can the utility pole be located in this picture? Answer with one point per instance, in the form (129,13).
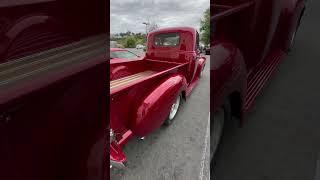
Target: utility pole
(147,24)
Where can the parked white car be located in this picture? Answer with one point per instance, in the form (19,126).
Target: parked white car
(139,46)
(113,44)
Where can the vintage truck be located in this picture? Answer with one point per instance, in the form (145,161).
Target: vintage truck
(146,93)
(249,39)
(53,67)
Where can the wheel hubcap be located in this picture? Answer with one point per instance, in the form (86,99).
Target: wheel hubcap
(293,38)
(174,108)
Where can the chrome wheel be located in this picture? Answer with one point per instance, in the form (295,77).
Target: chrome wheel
(173,111)
(216,129)
(293,37)
(174,108)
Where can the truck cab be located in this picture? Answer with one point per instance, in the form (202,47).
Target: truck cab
(147,93)
(249,40)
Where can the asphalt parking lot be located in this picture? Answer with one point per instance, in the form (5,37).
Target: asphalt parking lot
(281,138)
(176,152)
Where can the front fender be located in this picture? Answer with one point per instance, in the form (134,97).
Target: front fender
(153,110)
(227,72)
(290,17)
(201,65)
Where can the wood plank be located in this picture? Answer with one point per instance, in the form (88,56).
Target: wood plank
(129,79)
(39,64)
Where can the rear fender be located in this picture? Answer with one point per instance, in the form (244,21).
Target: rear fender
(17,27)
(153,110)
(119,72)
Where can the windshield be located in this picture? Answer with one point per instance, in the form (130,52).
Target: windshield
(123,55)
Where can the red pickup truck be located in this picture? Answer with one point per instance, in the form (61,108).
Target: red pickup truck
(146,93)
(249,39)
(52,89)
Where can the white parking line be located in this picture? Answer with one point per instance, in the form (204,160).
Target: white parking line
(204,153)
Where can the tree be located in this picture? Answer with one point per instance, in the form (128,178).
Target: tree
(122,34)
(205,27)
(130,42)
(153,26)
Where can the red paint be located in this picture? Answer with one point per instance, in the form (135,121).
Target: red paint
(31,26)
(141,106)
(249,39)
(56,127)
(125,138)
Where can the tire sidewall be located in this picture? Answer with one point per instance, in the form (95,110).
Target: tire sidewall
(226,107)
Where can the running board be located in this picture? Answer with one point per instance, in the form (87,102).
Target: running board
(258,78)
(191,86)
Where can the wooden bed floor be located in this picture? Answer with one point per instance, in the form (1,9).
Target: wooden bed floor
(129,79)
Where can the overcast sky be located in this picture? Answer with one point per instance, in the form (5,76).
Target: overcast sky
(128,15)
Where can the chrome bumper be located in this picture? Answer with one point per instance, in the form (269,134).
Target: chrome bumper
(118,165)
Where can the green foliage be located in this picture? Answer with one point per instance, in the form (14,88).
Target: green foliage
(130,42)
(129,39)
(205,27)
(140,41)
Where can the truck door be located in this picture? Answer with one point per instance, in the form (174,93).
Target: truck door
(262,29)
(195,61)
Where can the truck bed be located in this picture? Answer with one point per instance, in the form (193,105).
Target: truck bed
(39,64)
(129,79)
(126,74)
(223,9)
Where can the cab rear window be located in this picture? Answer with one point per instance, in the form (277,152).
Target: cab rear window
(167,39)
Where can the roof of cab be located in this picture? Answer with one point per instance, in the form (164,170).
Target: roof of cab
(172,29)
